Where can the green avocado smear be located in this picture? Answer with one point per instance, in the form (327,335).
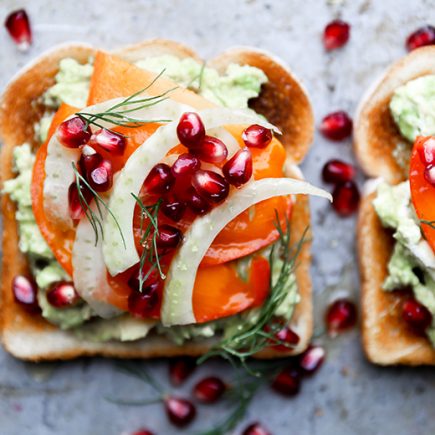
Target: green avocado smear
(232,89)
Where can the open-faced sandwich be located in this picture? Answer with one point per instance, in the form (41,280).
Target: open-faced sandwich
(149,205)
(394,143)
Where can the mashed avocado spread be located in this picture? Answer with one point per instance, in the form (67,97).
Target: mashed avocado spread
(232,89)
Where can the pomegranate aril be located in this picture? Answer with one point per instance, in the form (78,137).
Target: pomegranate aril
(335,171)
(143,304)
(340,315)
(89,160)
(152,278)
(18,25)
(257,136)
(142,432)
(109,141)
(312,359)
(180,411)
(256,429)
(190,129)
(210,185)
(209,390)
(186,164)
(416,315)
(180,369)
(62,294)
(346,198)
(238,170)
(168,237)
(159,180)
(101,177)
(336,126)
(197,204)
(287,338)
(427,151)
(421,37)
(25,293)
(211,150)
(76,210)
(288,382)
(173,208)
(73,132)
(336,34)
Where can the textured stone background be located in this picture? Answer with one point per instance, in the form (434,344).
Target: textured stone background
(348,396)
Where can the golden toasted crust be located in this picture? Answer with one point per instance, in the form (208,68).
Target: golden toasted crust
(31,337)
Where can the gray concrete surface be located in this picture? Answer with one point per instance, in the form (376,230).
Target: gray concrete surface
(348,396)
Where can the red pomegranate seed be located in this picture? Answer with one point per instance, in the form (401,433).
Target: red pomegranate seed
(211,150)
(288,339)
(312,359)
(142,431)
(76,210)
(18,25)
(151,279)
(427,151)
(180,369)
(346,198)
(180,411)
(25,293)
(416,315)
(186,164)
(101,177)
(89,160)
(143,304)
(335,171)
(238,170)
(340,315)
(288,382)
(109,141)
(336,34)
(73,132)
(169,237)
(256,429)
(159,180)
(173,208)
(209,390)
(210,185)
(421,37)
(62,294)
(257,136)
(190,129)
(197,204)
(336,126)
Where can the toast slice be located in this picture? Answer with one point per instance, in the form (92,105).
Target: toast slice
(31,337)
(386,338)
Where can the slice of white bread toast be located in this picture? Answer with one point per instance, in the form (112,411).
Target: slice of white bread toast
(386,337)
(282,100)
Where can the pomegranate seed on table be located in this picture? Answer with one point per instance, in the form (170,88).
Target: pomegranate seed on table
(168,237)
(211,150)
(312,359)
(238,170)
(287,337)
(109,141)
(180,369)
(142,432)
(346,198)
(186,164)
(180,411)
(209,390)
(197,204)
(423,36)
(256,429)
(190,129)
(101,177)
(335,171)
(336,125)
(210,185)
(62,294)
(257,136)
(160,179)
(73,132)
(76,210)
(18,25)
(340,315)
(288,381)
(336,34)
(416,315)
(173,208)
(25,293)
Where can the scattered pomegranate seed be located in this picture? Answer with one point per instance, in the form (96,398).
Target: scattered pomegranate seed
(180,411)
(18,25)
(25,293)
(312,359)
(421,37)
(169,237)
(211,150)
(143,304)
(346,198)
(180,369)
(210,185)
(89,160)
(257,136)
(173,208)
(256,429)
(73,132)
(288,381)
(101,177)
(160,179)
(197,204)
(287,337)
(209,390)
(418,317)
(62,294)
(427,151)
(341,315)
(238,170)
(76,210)
(109,141)
(190,129)
(336,34)
(429,174)
(142,431)
(186,164)
(336,171)
(336,126)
